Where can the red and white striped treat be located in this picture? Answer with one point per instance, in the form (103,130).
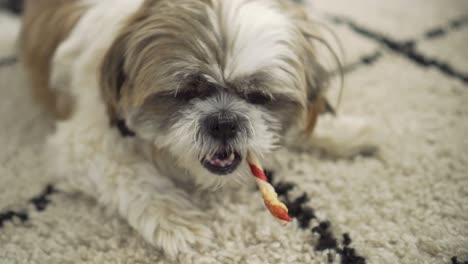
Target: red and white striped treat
(270,197)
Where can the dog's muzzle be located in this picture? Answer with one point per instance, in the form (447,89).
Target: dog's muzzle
(223,128)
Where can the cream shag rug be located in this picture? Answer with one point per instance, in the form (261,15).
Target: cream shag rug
(407,72)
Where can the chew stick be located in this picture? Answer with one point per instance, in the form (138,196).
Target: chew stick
(270,197)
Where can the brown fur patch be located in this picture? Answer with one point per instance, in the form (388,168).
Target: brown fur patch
(159,40)
(46,24)
(315,108)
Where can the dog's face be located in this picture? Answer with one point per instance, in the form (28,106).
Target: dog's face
(210,80)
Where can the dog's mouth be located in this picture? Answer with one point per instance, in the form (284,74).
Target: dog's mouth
(222,162)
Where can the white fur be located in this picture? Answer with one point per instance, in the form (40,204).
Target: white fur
(258,38)
(96,160)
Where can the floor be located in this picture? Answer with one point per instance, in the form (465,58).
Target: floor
(406,70)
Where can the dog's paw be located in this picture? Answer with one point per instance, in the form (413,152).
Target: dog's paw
(171,227)
(345,137)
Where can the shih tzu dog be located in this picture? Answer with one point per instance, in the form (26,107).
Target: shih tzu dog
(150,93)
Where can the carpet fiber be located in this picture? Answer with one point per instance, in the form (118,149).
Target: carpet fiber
(406,72)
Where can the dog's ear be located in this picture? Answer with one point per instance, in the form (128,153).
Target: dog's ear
(112,76)
(317,103)
(317,78)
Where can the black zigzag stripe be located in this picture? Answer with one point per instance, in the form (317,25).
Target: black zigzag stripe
(365,60)
(15,6)
(8,61)
(438,32)
(304,214)
(40,203)
(454,260)
(406,48)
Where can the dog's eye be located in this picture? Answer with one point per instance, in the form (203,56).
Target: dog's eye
(258,98)
(195,88)
(187,95)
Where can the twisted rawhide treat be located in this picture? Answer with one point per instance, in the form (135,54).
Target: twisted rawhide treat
(270,197)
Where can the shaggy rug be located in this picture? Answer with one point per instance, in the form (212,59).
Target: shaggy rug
(406,72)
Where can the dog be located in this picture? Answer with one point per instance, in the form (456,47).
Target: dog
(152,93)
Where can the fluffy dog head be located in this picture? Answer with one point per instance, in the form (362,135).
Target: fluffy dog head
(208,80)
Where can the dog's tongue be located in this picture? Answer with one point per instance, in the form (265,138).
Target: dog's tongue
(223,155)
(222,158)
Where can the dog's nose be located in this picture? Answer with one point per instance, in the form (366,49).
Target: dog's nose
(222,126)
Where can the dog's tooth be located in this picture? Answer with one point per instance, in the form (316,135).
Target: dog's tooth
(232,157)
